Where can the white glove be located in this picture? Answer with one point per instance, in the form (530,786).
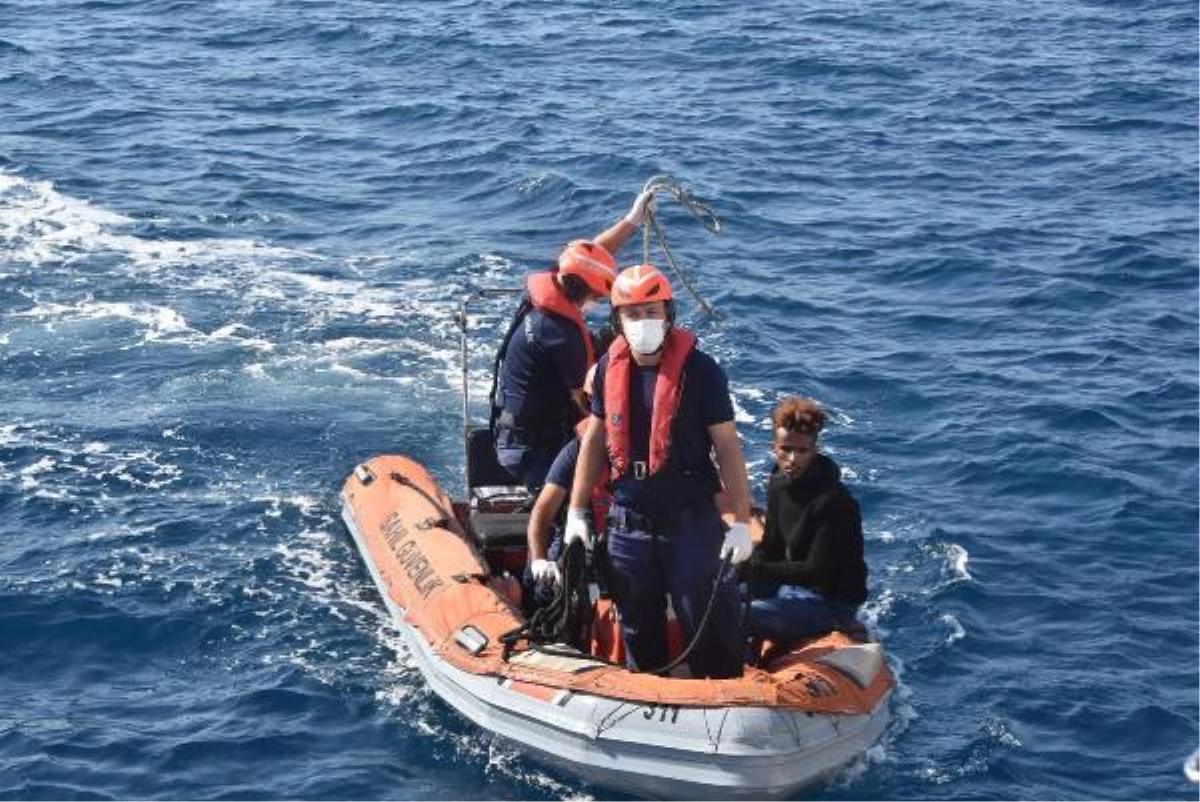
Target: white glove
(641,207)
(578,528)
(545,572)
(737,543)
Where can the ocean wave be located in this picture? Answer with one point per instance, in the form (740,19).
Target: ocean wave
(41,227)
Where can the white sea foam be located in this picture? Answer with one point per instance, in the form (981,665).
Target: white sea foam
(855,770)
(306,505)
(902,715)
(753,393)
(758,469)
(999,730)
(155,323)
(320,285)
(157,320)
(509,763)
(896,528)
(497,271)
(956,629)
(143,469)
(361,346)
(241,334)
(401,685)
(307,561)
(405,361)
(958,558)
(740,414)
(120,531)
(29,474)
(878,608)
(40,225)
(90,475)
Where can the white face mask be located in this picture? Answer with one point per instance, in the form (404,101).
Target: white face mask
(644,336)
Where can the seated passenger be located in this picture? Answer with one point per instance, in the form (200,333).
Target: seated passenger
(807,577)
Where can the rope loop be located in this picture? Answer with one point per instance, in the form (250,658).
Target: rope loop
(700,211)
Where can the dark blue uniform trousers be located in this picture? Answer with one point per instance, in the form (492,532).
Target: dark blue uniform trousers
(527,463)
(682,561)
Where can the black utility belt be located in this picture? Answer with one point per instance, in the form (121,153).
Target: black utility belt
(659,524)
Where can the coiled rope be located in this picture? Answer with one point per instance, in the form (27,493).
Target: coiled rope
(703,214)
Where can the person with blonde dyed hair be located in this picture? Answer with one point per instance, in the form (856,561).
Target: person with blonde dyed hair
(807,576)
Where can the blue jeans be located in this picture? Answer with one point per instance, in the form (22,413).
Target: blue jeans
(683,562)
(792,612)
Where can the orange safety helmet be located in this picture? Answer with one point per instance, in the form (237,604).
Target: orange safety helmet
(592,263)
(639,285)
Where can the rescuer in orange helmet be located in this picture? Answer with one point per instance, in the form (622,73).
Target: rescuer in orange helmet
(661,411)
(537,392)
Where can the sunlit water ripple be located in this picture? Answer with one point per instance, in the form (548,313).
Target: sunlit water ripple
(232,240)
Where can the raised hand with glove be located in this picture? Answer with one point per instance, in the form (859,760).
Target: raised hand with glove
(641,209)
(737,545)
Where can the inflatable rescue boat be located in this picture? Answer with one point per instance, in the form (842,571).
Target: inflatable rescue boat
(446,570)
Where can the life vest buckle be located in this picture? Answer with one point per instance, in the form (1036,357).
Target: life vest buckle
(639,469)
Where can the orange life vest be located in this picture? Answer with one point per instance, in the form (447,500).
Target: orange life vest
(668,390)
(545,296)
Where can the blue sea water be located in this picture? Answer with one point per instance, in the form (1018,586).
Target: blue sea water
(233,236)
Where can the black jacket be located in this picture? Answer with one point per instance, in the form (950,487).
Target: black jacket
(813,535)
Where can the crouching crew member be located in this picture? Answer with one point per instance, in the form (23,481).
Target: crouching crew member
(544,534)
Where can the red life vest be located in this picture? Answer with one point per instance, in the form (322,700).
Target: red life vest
(668,390)
(545,296)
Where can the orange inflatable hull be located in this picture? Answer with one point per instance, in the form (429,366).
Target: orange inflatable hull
(437,578)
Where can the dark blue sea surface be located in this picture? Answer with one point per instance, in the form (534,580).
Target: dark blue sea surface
(233,238)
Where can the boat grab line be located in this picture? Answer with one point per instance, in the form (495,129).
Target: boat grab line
(613,718)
